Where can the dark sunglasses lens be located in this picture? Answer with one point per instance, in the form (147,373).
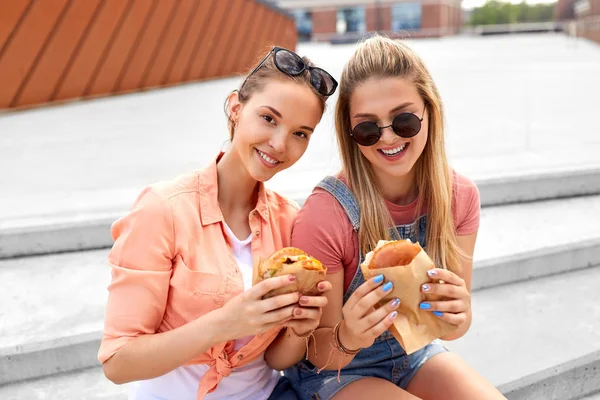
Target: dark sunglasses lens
(406,125)
(366,134)
(322,81)
(289,62)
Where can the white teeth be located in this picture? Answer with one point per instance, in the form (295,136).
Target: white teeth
(395,151)
(267,158)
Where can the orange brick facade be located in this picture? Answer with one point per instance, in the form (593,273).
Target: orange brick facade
(59,50)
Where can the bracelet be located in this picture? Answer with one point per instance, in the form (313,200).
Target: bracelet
(338,344)
(304,335)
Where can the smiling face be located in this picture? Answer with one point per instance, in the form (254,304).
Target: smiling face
(379,100)
(273,127)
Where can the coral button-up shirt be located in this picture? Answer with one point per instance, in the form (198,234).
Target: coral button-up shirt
(171,263)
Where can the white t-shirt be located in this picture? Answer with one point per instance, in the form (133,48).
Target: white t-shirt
(254,381)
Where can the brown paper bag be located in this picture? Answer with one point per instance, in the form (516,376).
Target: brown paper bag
(306,279)
(420,327)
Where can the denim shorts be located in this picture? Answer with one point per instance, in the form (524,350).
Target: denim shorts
(385,359)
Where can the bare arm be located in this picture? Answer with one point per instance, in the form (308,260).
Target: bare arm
(287,349)
(361,322)
(151,355)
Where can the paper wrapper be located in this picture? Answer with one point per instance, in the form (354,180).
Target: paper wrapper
(306,279)
(420,327)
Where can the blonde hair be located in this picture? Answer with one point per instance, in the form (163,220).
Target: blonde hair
(268,71)
(382,57)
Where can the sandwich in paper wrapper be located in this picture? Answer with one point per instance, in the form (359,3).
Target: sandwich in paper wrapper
(405,264)
(290,260)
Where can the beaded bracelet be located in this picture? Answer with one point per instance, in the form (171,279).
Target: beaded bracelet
(338,344)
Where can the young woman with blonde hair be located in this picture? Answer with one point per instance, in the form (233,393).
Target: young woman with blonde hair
(395,183)
(183,320)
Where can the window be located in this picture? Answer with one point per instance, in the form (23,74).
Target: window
(351,20)
(303,22)
(406,16)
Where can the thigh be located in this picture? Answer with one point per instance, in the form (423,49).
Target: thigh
(448,376)
(373,388)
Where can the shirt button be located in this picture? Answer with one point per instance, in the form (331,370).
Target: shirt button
(240,357)
(255,213)
(257,233)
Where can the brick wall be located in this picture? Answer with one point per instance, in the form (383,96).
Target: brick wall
(324,21)
(58,50)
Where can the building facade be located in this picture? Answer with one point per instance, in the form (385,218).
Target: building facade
(347,20)
(584,16)
(63,50)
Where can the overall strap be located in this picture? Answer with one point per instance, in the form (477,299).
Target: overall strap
(344,196)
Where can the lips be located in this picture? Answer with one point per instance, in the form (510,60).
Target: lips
(390,152)
(267,159)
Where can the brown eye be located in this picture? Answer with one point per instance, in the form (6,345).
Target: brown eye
(301,134)
(268,118)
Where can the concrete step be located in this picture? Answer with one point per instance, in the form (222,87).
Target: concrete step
(91,230)
(538,339)
(88,384)
(519,319)
(595,396)
(55,325)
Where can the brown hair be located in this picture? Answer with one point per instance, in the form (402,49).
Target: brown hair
(267,72)
(383,57)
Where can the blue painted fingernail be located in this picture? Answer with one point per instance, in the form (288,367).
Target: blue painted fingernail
(395,303)
(432,272)
(393,315)
(438,313)
(378,279)
(426,288)
(387,286)
(424,306)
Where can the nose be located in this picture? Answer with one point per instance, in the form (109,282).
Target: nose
(278,142)
(387,134)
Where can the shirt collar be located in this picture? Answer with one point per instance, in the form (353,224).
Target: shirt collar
(210,211)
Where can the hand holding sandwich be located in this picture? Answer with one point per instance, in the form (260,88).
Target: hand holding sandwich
(363,321)
(249,313)
(456,299)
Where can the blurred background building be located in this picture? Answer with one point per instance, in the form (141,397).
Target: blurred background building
(346,20)
(584,15)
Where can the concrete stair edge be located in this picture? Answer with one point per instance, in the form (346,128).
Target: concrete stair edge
(93,231)
(536,263)
(569,381)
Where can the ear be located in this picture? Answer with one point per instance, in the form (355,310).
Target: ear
(233,105)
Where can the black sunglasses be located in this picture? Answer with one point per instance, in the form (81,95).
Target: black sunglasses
(405,125)
(292,64)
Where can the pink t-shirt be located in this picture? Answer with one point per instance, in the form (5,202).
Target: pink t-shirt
(323,230)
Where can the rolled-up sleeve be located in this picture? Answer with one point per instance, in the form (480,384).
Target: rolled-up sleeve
(141,264)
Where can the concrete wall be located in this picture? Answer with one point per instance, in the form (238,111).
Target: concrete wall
(59,50)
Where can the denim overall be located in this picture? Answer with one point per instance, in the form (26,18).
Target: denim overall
(385,359)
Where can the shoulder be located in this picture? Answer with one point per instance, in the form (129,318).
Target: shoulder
(281,204)
(164,198)
(463,186)
(465,203)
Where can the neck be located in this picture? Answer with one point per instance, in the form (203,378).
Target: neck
(238,191)
(398,190)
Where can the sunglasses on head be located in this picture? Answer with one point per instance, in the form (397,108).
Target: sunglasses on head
(405,125)
(292,64)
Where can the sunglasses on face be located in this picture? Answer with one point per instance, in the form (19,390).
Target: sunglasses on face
(292,64)
(405,125)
